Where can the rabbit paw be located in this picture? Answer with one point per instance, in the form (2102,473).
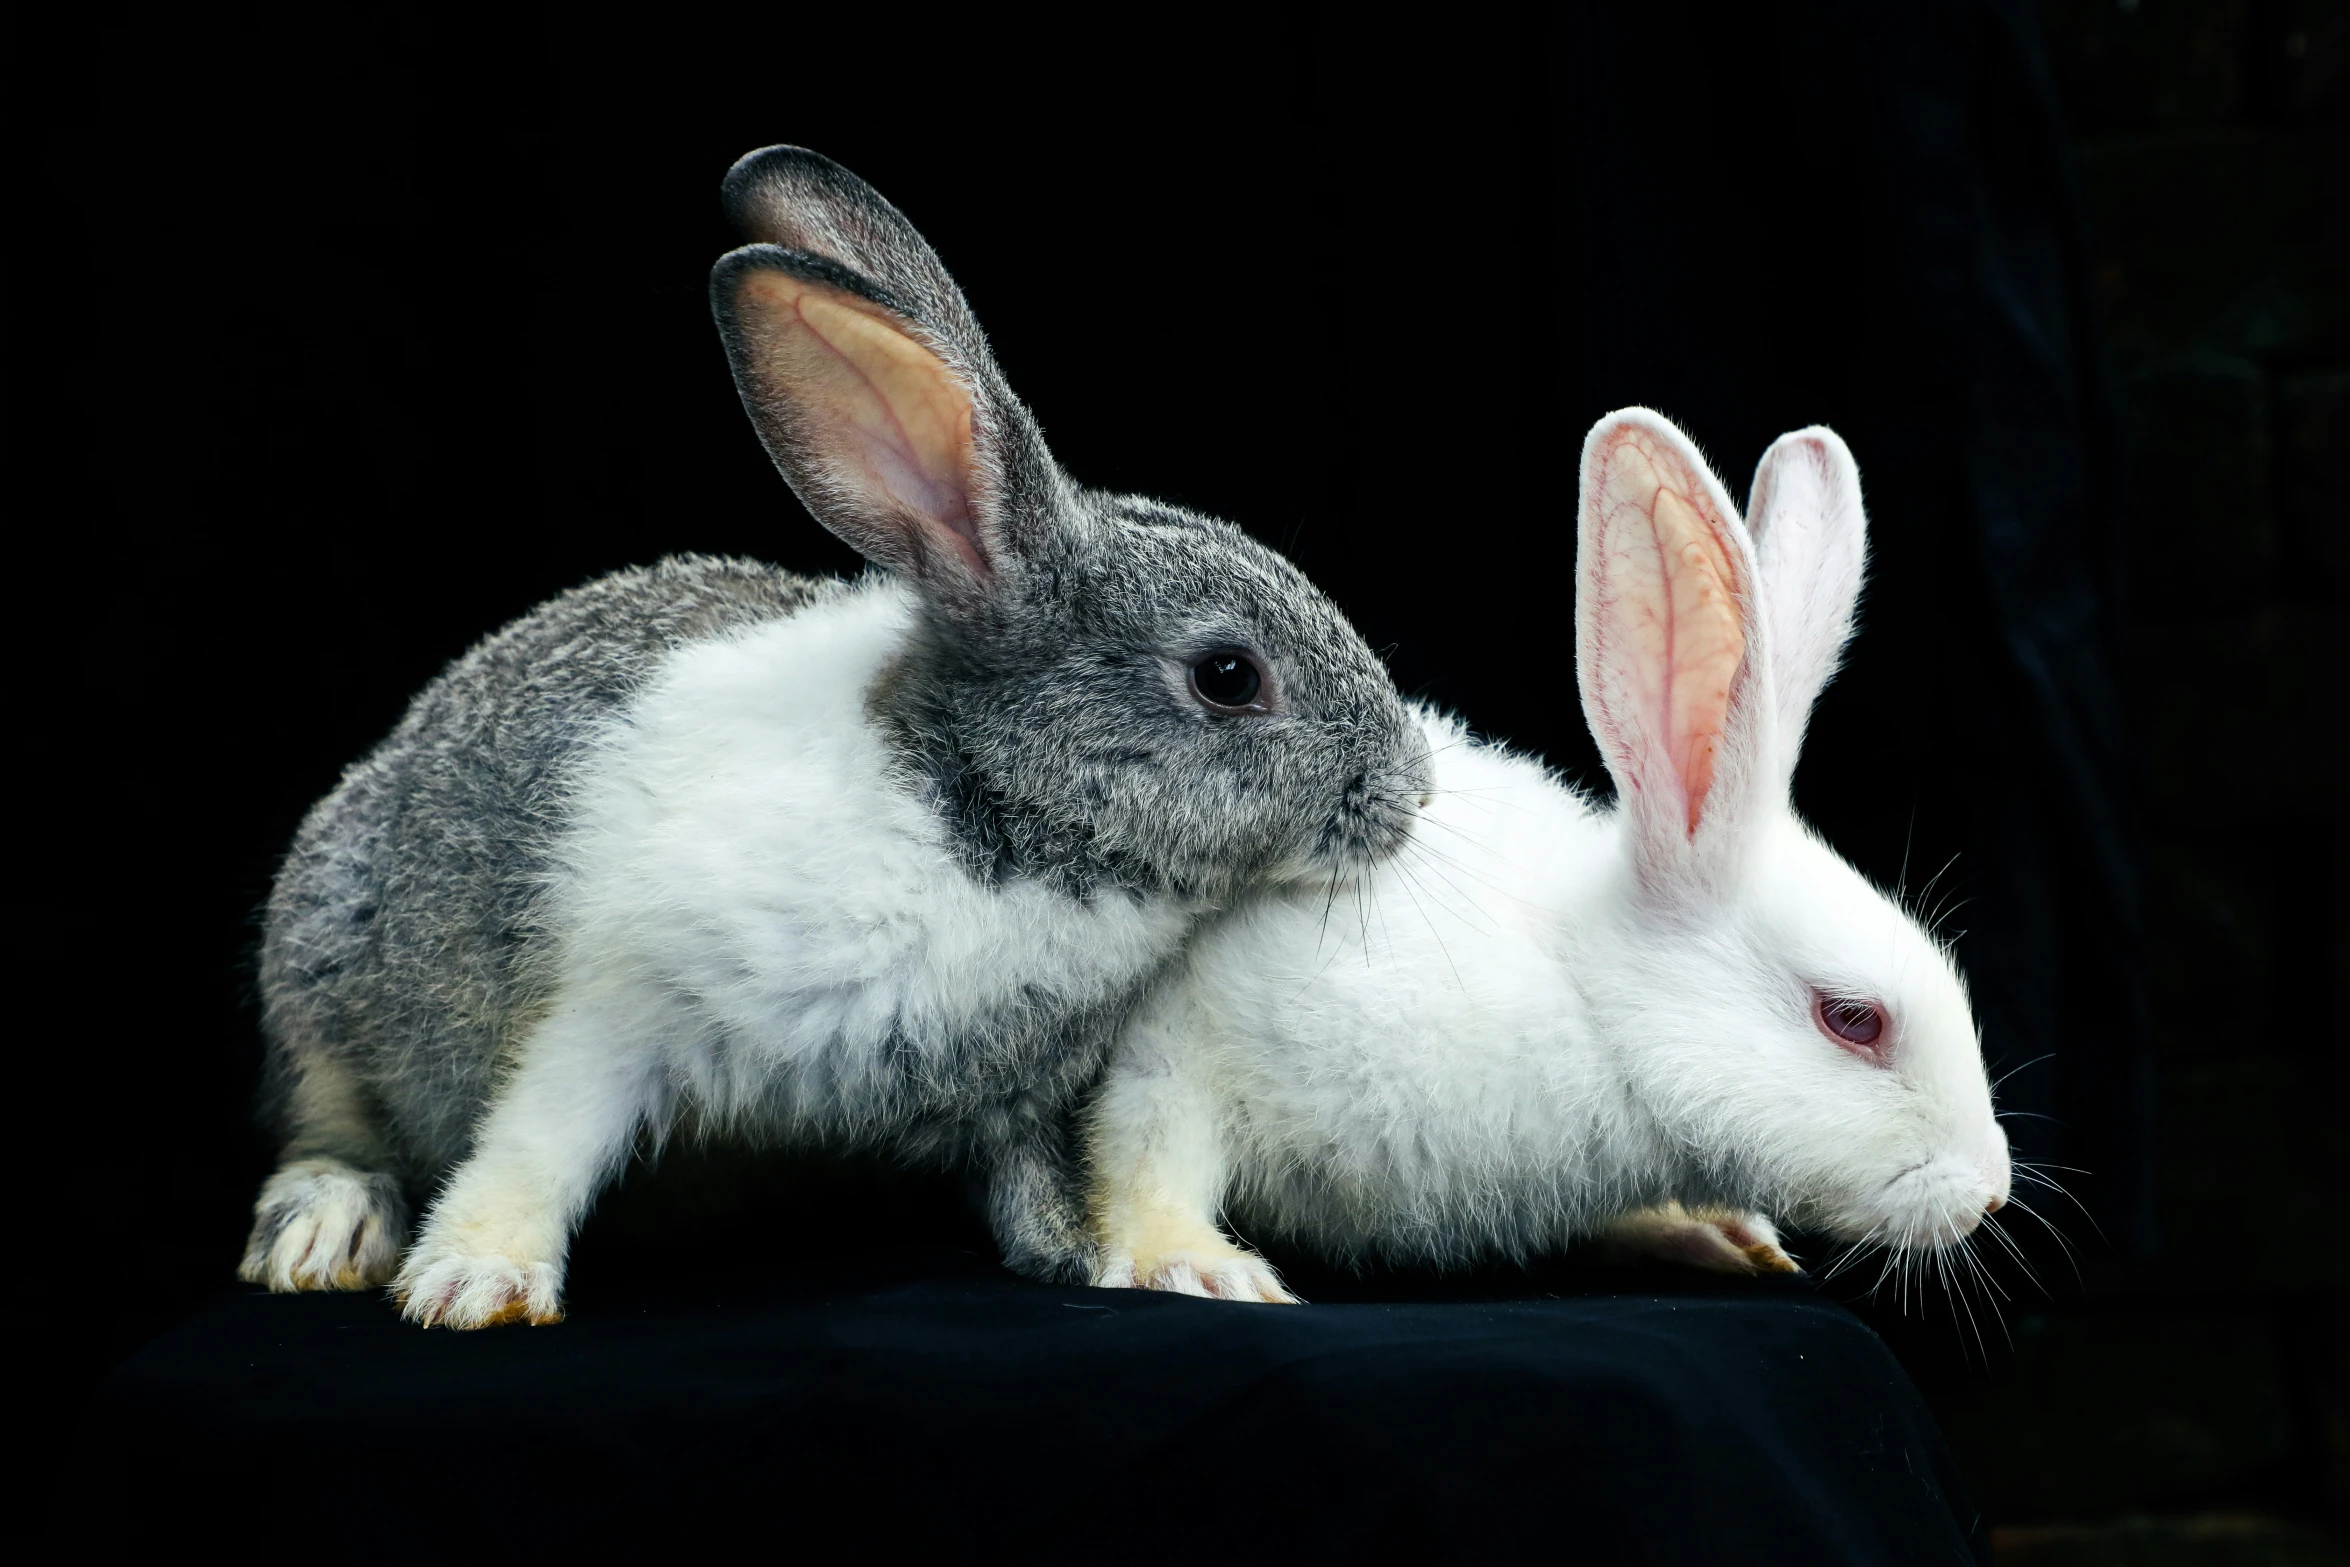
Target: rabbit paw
(1209,1266)
(321,1225)
(1721,1240)
(441,1286)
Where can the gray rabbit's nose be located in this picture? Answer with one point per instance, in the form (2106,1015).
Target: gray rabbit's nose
(1427,798)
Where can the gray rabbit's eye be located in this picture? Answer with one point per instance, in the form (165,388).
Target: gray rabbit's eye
(1228,681)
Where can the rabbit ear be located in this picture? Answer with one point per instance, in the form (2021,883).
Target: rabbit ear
(801,200)
(871,384)
(1667,644)
(1810,546)
(886,440)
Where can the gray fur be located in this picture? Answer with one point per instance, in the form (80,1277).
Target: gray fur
(802,201)
(396,937)
(1042,718)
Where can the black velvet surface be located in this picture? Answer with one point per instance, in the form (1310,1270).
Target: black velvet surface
(933,1400)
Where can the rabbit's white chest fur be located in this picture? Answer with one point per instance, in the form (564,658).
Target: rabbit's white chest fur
(1412,1068)
(791,915)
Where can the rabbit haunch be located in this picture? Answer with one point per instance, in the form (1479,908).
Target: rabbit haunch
(874,864)
(1547,1020)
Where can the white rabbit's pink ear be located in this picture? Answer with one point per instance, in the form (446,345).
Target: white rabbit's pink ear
(1666,640)
(879,434)
(1810,547)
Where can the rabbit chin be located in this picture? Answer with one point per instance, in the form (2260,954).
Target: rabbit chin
(1929,1206)
(1347,851)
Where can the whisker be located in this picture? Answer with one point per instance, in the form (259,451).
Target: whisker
(1980,1277)
(2036,1171)
(1471,874)
(1927,890)
(1982,1271)
(2016,1252)
(1908,835)
(1433,934)
(1945,913)
(2018,1067)
(1478,908)
(1379,907)
(1945,1266)
(1328,901)
(1436,791)
(2063,1245)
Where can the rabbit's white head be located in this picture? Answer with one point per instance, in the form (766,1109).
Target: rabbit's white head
(1806,1043)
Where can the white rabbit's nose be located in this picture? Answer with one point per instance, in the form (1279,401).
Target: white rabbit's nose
(1998,1170)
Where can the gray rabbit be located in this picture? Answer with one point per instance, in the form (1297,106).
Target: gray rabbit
(878,863)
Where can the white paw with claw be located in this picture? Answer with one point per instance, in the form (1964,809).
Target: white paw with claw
(321,1225)
(1207,1266)
(456,1290)
(482,1274)
(1721,1240)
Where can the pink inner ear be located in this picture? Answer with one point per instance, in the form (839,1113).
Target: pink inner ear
(897,418)
(1671,612)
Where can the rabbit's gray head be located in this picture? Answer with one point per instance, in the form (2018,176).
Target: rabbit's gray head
(1102,690)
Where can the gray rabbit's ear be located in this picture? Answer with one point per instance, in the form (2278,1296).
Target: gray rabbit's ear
(802,200)
(889,440)
(1810,545)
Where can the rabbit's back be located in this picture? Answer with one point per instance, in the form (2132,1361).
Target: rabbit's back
(1413,1069)
(398,939)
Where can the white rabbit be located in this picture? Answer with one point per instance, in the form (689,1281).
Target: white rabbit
(1561,1021)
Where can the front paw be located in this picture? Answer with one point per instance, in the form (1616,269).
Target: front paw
(1720,1240)
(1213,1269)
(443,1286)
(319,1224)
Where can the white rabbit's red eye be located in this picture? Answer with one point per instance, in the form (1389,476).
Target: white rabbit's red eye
(1859,1026)
(1228,681)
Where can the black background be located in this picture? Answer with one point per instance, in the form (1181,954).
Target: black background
(338,342)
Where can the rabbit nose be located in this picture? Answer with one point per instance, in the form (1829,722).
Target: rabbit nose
(1427,798)
(1997,1171)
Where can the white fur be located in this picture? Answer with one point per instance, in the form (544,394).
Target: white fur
(756,912)
(1546,1021)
